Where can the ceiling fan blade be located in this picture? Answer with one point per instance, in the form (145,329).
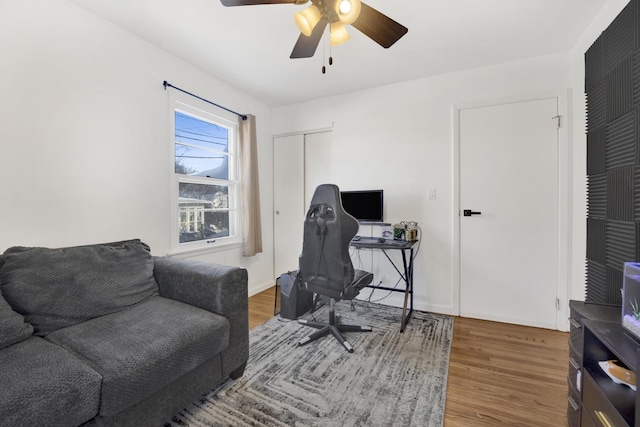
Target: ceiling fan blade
(254,2)
(378,27)
(306,46)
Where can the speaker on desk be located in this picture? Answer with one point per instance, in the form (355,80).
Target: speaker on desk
(294,301)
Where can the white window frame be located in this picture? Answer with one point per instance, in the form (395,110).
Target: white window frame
(206,112)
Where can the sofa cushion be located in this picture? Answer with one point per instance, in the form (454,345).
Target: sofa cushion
(139,350)
(13,328)
(43,384)
(57,288)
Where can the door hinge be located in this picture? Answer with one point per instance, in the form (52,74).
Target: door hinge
(558,119)
(558,304)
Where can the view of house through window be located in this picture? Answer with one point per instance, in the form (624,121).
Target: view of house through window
(205,169)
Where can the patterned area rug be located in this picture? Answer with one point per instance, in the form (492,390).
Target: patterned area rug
(391,379)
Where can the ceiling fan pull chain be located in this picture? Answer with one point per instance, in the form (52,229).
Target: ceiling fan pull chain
(330,46)
(324,69)
(330,50)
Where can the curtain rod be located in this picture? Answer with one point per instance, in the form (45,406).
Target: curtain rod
(166,83)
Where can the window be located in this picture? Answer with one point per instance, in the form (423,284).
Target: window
(205,192)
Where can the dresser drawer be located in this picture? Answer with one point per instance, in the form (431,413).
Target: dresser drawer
(587,421)
(573,412)
(574,392)
(575,331)
(574,370)
(596,406)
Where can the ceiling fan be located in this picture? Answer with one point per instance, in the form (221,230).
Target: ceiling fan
(337,14)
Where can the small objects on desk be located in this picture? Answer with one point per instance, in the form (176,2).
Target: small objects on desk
(411,231)
(356,238)
(398,231)
(380,240)
(406,230)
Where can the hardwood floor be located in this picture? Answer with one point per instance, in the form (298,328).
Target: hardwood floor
(502,374)
(261,307)
(499,374)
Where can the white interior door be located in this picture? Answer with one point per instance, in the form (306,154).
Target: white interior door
(288,202)
(509,252)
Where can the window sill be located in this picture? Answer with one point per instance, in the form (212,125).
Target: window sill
(205,249)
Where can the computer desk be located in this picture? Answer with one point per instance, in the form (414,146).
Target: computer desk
(407,264)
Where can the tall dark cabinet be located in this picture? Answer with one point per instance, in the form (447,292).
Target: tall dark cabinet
(612,85)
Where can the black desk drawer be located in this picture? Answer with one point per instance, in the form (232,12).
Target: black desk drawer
(596,405)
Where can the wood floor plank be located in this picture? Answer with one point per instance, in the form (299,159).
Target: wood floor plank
(261,307)
(499,374)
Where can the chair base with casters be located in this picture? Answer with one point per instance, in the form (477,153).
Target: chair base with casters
(332,327)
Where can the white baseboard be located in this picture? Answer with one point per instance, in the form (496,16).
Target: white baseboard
(502,319)
(397,300)
(262,287)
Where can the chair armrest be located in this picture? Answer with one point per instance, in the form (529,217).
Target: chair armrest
(220,289)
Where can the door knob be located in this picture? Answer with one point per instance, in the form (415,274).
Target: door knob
(469,212)
(277,212)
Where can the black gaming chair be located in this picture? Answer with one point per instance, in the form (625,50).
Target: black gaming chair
(325,266)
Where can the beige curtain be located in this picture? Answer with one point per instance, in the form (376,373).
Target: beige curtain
(251,225)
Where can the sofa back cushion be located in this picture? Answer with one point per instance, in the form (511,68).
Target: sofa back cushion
(13,328)
(56,288)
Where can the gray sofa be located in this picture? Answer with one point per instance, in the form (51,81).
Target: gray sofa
(107,334)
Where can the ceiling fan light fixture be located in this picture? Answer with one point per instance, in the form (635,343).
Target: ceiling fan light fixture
(307,19)
(339,33)
(347,10)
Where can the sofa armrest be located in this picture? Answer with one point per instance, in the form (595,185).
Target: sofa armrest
(216,288)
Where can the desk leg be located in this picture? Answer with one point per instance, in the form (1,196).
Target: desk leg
(410,284)
(408,292)
(407,277)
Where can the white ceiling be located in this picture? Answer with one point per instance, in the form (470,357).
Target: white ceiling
(249,46)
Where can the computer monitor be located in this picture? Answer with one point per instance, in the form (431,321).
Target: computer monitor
(364,205)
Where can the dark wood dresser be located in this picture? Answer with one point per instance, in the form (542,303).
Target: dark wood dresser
(579,312)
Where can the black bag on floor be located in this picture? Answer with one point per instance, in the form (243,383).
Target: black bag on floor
(294,301)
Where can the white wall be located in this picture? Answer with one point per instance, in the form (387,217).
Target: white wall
(84,133)
(400,138)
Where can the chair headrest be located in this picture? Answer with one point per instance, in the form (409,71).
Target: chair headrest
(327,194)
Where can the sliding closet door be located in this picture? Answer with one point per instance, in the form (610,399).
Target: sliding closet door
(318,167)
(300,163)
(288,202)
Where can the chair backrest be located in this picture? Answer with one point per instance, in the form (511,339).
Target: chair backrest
(325,265)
